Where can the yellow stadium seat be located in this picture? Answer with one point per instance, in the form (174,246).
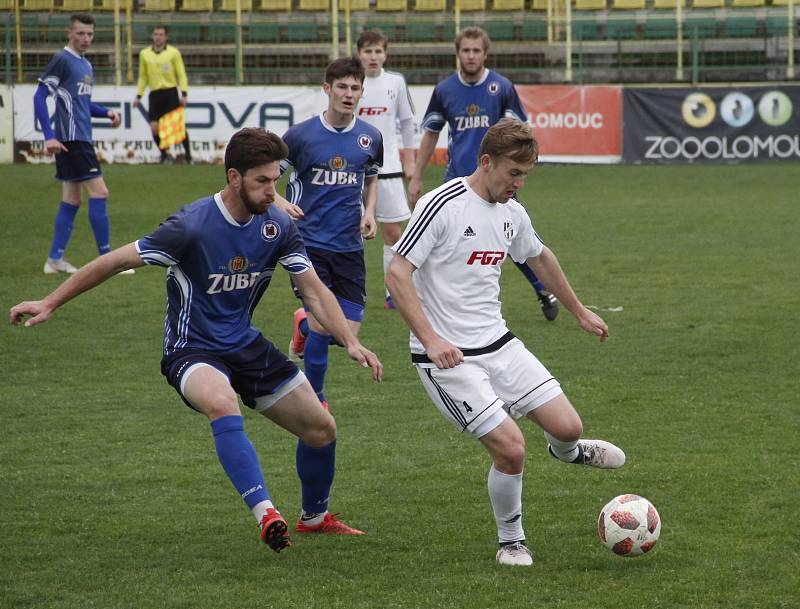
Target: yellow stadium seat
(473,5)
(159,5)
(314,5)
(196,6)
(355,5)
(781,3)
(667,3)
(430,5)
(708,3)
(509,5)
(37,5)
(77,6)
(391,5)
(627,5)
(748,3)
(108,5)
(230,5)
(275,5)
(590,5)
(6,5)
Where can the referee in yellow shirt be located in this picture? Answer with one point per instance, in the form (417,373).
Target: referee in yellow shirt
(161,69)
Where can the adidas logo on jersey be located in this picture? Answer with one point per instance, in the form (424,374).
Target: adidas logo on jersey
(469,232)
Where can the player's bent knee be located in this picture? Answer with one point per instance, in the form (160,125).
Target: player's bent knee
(568,431)
(322,434)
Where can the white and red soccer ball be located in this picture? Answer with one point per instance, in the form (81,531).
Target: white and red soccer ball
(629,525)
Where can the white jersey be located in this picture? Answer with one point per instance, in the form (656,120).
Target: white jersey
(386,101)
(458,241)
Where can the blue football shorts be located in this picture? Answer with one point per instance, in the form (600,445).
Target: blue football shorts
(344,273)
(78,164)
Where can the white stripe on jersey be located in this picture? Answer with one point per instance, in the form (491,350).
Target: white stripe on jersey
(186,291)
(295,263)
(157,257)
(420,222)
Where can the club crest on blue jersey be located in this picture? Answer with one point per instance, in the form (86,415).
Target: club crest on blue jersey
(237,264)
(364,141)
(337,163)
(493,88)
(270,231)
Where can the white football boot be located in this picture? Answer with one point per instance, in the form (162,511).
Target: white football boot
(597,453)
(53,267)
(516,554)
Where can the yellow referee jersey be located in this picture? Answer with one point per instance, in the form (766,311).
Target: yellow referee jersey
(162,70)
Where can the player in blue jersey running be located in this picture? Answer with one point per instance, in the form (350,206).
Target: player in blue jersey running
(221,252)
(469,102)
(69,78)
(335,158)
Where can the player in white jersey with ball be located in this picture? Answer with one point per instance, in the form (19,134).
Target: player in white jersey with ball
(444,279)
(386,103)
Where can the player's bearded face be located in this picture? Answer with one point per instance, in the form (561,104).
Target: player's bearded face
(257,187)
(472,56)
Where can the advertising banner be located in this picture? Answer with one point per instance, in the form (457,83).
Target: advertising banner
(575,124)
(6,125)
(213,114)
(721,125)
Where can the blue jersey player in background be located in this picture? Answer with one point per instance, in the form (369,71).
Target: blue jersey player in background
(469,102)
(332,193)
(221,253)
(69,78)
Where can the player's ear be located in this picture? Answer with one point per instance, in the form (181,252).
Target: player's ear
(485,162)
(326,88)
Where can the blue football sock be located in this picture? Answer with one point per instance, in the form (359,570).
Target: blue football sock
(98,218)
(316,467)
(315,358)
(530,276)
(239,459)
(62,230)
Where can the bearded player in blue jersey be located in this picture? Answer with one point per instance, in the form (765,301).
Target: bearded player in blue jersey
(335,158)
(469,102)
(221,252)
(69,78)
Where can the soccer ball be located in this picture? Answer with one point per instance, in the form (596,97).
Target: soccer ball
(629,525)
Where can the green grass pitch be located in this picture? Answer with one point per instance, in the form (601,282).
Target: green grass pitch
(111,496)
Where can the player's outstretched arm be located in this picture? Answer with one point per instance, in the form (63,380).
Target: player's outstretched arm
(547,268)
(401,287)
(87,277)
(322,303)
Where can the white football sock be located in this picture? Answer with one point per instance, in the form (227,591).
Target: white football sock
(505,492)
(314,519)
(259,509)
(566,451)
(388,254)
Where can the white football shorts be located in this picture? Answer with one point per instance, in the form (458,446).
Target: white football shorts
(392,201)
(478,394)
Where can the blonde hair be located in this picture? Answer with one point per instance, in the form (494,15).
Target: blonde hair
(474,33)
(511,139)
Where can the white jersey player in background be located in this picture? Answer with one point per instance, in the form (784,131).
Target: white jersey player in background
(386,103)
(445,281)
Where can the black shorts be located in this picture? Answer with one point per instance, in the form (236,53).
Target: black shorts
(256,372)
(78,164)
(161,102)
(343,273)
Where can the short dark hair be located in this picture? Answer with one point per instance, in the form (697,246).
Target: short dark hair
(252,147)
(511,139)
(84,18)
(342,68)
(369,38)
(474,33)
(161,26)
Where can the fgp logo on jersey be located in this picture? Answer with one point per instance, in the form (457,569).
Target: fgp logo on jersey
(486,258)
(270,231)
(372,110)
(473,120)
(238,280)
(335,175)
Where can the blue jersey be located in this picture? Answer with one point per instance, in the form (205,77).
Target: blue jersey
(327,182)
(69,78)
(218,269)
(469,110)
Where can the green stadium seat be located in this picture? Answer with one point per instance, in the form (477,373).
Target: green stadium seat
(179,33)
(159,5)
(430,5)
(500,30)
(627,5)
(508,5)
(740,27)
(422,31)
(705,27)
(708,3)
(668,4)
(655,29)
(747,3)
(585,30)
(314,5)
(197,6)
(777,26)
(77,6)
(37,5)
(617,29)
(303,32)
(391,5)
(230,5)
(275,5)
(534,29)
(590,5)
(263,32)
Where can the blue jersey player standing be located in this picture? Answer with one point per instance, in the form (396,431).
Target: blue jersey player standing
(69,78)
(332,193)
(469,102)
(221,253)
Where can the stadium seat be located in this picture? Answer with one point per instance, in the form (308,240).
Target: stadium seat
(740,27)
(668,4)
(76,6)
(747,3)
(180,33)
(708,3)
(391,5)
(473,5)
(422,31)
(275,5)
(159,5)
(37,5)
(508,5)
(500,30)
(230,5)
(303,32)
(585,30)
(197,6)
(355,5)
(430,5)
(314,5)
(705,28)
(538,5)
(621,29)
(655,29)
(534,29)
(390,29)
(627,5)
(108,5)
(6,5)
(590,5)
(263,32)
